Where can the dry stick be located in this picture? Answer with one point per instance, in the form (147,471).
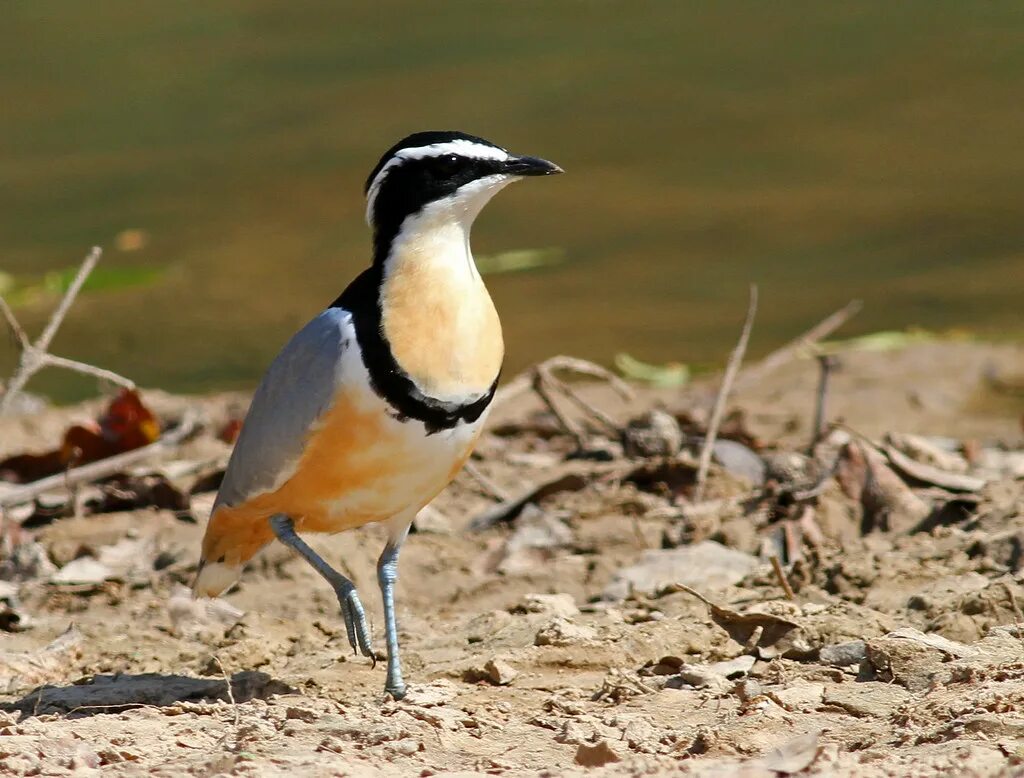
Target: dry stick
(491,488)
(1013,603)
(227,684)
(525,380)
(583,367)
(19,495)
(783,580)
(35,356)
(781,355)
(20,336)
(585,406)
(545,384)
(827,365)
(542,387)
(723,395)
(231,699)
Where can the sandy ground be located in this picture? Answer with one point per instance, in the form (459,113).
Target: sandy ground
(527,648)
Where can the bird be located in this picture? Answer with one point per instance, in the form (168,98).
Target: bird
(372,408)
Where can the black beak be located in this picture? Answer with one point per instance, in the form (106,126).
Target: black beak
(530,166)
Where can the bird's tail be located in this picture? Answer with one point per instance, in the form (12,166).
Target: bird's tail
(233,537)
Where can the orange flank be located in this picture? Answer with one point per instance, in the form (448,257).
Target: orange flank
(359,466)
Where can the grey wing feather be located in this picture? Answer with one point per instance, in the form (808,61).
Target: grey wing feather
(297,388)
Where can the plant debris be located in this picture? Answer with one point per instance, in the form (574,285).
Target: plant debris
(849,606)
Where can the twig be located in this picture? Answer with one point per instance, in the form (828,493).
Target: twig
(17,331)
(509,509)
(227,682)
(583,367)
(521,384)
(525,380)
(542,386)
(69,297)
(232,731)
(827,365)
(783,580)
(1013,603)
(35,356)
(584,405)
(81,367)
(735,359)
(781,355)
(545,383)
(488,485)
(101,469)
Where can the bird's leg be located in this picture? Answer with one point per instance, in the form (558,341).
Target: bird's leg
(387,573)
(351,608)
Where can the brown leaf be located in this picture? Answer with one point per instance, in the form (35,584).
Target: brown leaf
(125,425)
(928,474)
(509,509)
(792,757)
(887,502)
(230,431)
(743,626)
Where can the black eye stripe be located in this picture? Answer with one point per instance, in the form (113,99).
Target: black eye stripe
(406,188)
(422,139)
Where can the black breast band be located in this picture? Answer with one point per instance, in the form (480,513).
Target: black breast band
(362,300)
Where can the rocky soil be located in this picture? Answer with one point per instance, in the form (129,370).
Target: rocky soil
(564,611)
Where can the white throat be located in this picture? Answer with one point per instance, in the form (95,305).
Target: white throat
(437,237)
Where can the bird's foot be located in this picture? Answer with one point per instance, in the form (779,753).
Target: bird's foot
(395,687)
(355,622)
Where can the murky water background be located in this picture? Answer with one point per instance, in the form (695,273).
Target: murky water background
(826,151)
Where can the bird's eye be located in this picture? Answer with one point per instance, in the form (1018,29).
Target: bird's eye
(450,160)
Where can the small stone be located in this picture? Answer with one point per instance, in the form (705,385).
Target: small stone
(487,625)
(655,434)
(500,673)
(852,652)
(428,695)
(496,671)
(301,714)
(574,733)
(550,604)
(802,697)
(747,690)
(84,570)
(562,632)
(407,746)
(867,699)
(704,565)
(596,754)
(739,460)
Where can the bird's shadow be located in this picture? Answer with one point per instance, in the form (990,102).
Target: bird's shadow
(117,693)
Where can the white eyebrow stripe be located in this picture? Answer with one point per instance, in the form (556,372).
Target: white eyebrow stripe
(462,147)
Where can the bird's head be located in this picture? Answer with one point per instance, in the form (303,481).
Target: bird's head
(452,175)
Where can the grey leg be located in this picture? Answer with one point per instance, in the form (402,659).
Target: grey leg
(351,608)
(387,573)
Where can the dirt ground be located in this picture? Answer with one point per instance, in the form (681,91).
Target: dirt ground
(569,638)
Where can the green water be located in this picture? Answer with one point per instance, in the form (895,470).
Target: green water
(824,150)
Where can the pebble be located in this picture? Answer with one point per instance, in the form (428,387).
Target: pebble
(596,754)
(562,632)
(550,604)
(852,652)
(499,672)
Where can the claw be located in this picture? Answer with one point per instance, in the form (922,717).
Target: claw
(355,624)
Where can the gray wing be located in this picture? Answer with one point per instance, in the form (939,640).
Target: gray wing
(297,388)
